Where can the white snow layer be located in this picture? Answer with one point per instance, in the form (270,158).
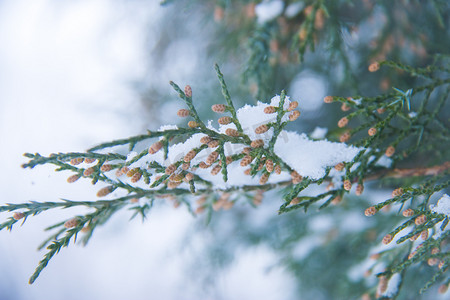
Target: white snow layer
(442,206)
(268,10)
(319,133)
(309,158)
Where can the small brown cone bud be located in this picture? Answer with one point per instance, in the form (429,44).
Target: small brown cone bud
(375,256)
(224,120)
(136,177)
(134,200)
(278,169)
(217,205)
(435,251)
(188,91)
(345,107)
(412,254)
(424,234)
(414,237)
(382,284)
(432,261)
(124,170)
(104,191)
(381,110)
(328,99)
(340,166)
(441,264)
(170,169)
(365,296)
(218,108)
(200,201)
(347,185)
(370,211)
(294,115)
(261,165)
(295,201)
(18,215)
(216,170)
(247,150)
(296,178)
(173,184)
(246,160)
(89,160)
(293,105)
(71,223)
(76,161)
(227,205)
(190,156)
(89,171)
(193,124)
(390,151)
(443,288)
(176,177)
(420,220)
(228,160)
(231,132)
(257,199)
(387,239)
(408,212)
(248,171)
(73,178)
(345,137)
(257,143)
(183,113)
(212,157)
(213,144)
(155,147)
(372,131)
(85,229)
(261,129)
(269,165)
(397,192)
(374,67)
(203,165)
(189,176)
(205,139)
(359,189)
(343,122)
(264,178)
(336,200)
(330,186)
(270,110)
(131,172)
(200,210)
(105,168)
(219,12)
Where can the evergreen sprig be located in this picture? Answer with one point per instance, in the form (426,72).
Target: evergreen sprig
(393,121)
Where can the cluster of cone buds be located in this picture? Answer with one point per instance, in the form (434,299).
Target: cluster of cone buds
(292,106)
(135,174)
(79,160)
(223,203)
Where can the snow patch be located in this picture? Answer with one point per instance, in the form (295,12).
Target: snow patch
(319,133)
(268,10)
(311,158)
(442,206)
